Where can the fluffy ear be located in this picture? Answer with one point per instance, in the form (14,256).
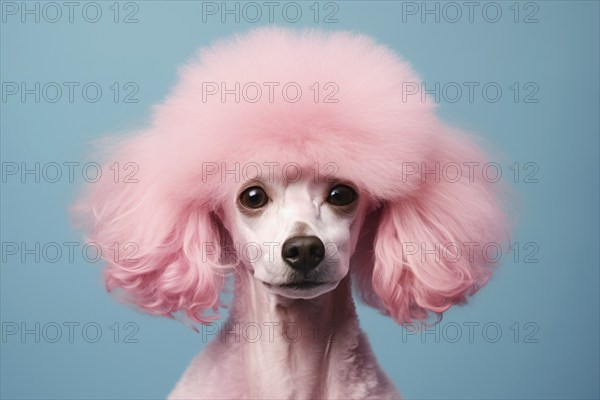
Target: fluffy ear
(435,247)
(160,238)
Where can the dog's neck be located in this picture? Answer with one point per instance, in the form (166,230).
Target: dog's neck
(300,342)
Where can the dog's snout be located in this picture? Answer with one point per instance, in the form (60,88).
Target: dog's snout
(303,253)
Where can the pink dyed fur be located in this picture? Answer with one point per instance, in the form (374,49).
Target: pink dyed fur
(371,134)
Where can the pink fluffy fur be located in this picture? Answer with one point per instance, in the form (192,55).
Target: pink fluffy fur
(371,133)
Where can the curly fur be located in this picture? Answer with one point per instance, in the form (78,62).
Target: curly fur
(371,134)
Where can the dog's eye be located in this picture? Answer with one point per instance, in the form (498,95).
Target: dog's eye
(254,197)
(341,195)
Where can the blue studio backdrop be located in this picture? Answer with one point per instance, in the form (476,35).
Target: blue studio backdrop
(523,75)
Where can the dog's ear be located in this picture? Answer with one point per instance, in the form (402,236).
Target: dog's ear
(429,250)
(157,231)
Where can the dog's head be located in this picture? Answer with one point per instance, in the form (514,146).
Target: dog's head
(300,157)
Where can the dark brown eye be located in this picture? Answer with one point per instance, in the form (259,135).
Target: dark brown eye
(254,197)
(341,195)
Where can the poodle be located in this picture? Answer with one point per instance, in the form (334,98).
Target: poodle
(288,168)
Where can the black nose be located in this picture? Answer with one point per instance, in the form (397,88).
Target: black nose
(303,253)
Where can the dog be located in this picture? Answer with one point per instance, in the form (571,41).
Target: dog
(289,168)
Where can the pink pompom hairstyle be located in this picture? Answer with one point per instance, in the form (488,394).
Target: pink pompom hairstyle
(372,133)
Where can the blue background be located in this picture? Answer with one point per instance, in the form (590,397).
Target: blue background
(552,304)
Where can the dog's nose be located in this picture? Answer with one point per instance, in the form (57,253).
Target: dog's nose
(303,253)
